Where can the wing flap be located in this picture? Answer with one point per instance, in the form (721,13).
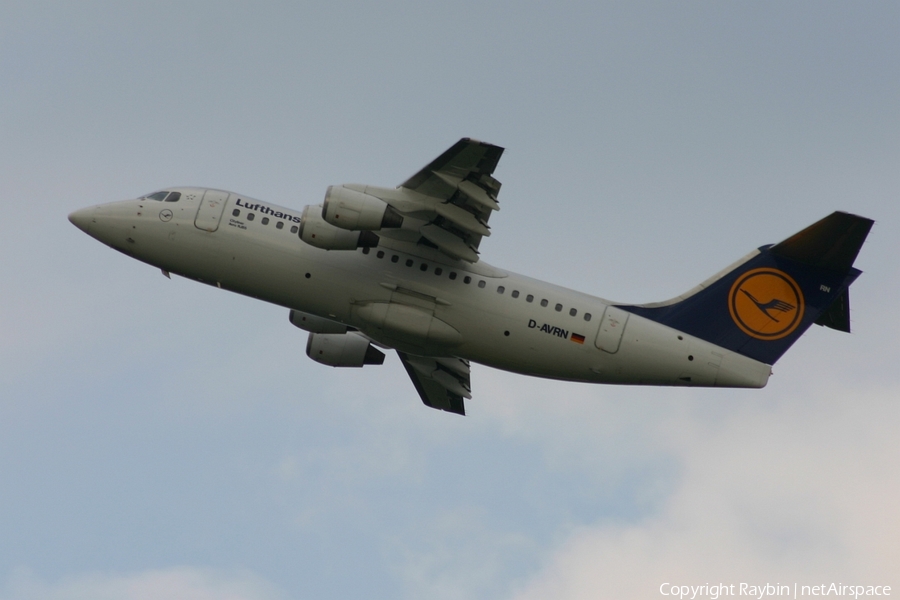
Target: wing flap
(457,195)
(462,218)
(448,243)
(442,383)
(478,194)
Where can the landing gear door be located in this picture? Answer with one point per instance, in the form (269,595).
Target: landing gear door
(612,326)
(211,207)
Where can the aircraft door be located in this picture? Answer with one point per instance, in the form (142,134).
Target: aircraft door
(612,326)
(210,212)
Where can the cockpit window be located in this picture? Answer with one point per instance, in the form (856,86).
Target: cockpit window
(158,196)
(173,197)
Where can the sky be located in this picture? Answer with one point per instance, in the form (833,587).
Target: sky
(161,438)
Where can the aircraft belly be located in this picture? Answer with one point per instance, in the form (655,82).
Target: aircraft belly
(525,350)
(407,324)
(652,354)
(273,272)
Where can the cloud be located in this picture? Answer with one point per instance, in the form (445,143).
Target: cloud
(177,583)
(458,554)
(800,491)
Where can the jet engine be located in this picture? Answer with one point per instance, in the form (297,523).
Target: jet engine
(349,209)
(342,350)
(316,232)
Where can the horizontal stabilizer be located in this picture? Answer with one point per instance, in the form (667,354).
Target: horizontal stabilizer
(831,243)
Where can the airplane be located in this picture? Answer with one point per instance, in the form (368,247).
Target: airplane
(373,268)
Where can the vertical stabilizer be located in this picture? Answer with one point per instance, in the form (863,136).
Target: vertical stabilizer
(763,305)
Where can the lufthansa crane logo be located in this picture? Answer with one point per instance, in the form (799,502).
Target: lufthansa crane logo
(766,304)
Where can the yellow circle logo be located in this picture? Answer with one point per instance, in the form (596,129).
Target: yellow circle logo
(766,304)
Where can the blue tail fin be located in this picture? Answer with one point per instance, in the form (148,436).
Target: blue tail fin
(760,306)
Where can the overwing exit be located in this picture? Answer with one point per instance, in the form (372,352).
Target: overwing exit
(373,269)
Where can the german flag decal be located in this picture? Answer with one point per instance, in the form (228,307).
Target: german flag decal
(578,339)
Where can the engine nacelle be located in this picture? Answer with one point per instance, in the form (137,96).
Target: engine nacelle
(349,209)
(316,232)
(342,350)
(314,324)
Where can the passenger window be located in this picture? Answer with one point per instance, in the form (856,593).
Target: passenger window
(481,283)
(279,225)
(265,221)
(572,312)
(544,303)
(380,254)
(293,229)
(366,250)
(501,289)
(587,316)
(558,308)
(173,197)
(438,270)
(409,262)
(236,212)
(467,279)
(250,216)
(529,298)
(424,267)
(452,274)
(515,294)
(395,258)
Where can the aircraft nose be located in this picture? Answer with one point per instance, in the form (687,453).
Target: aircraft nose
(83,219)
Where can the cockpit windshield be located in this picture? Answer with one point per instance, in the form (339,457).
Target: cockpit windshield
(160,196)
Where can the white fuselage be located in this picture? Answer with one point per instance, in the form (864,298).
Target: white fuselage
(503,319)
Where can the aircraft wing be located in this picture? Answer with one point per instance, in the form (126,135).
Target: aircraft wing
(461,194)
(442,382)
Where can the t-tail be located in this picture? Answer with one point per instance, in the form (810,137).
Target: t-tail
(760,305)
